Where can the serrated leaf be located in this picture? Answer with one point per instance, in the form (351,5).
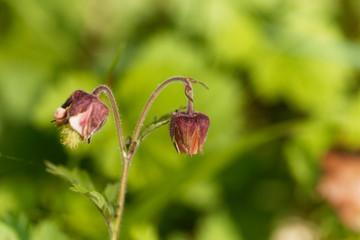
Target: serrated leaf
(97,198)
(82,183)
(78,188)
(74,176)
(59,171)
(83,179)
(106,209)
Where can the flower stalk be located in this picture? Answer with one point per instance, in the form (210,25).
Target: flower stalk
(110,95)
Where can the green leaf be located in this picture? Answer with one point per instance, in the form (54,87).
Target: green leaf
(78,188)
(74,176)
(82,183)
(106,208)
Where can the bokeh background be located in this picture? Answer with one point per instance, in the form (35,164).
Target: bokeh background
(284,93)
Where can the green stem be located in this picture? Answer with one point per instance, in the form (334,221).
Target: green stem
(121,199)
(114,226)
(110,95)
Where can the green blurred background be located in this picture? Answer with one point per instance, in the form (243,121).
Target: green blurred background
(284,89)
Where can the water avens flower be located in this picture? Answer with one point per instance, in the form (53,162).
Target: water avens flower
(83,113)
(188,131)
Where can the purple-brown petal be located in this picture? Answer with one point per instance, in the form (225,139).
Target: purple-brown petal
(80,122)
(85,113)
(188,131)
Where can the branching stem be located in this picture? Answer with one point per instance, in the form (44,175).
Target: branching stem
(126,155)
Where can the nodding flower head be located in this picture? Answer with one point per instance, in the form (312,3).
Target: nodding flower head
(83,113)
(188,131)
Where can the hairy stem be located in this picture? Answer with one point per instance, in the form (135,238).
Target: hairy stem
(115,226)
(121,199)
(110,95)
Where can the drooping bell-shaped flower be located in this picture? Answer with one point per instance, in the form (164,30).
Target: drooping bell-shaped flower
(83,112)
(188,131)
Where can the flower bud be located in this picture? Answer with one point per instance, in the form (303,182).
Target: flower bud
(83,112)
(188,131)
(60,113)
